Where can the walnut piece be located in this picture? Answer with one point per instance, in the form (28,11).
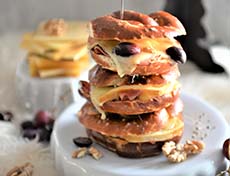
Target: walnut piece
(79,153)
(168,147)
(24,170)
(55,27)
(193,147)
(174,152)
(179,152)
(96,154)
(177,156)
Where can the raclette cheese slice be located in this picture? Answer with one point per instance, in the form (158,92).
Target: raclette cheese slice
(43,67)
(101,95)
(173,128)
(72,45)
(151,49)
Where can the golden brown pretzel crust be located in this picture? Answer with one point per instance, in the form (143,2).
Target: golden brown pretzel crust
(114,126)
(134,17)
(126,149)
(167,20)
(134,107)
(135,26)
(100,77)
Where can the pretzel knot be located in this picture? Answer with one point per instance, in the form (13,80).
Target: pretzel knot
(135,25)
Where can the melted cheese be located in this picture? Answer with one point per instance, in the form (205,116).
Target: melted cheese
(101,95)
(153,49)
(173,128)
(95,94)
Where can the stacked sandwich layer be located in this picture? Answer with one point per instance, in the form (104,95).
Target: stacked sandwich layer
(57,48)
(133,103)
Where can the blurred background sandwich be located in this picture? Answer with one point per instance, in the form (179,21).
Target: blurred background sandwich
(57,48)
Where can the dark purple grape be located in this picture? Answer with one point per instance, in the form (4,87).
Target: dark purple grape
(126,49)
(30,134)
(44,135)
(177,54)
(226,149)
(42,118)
(82,141)
(1,116)
(28,125)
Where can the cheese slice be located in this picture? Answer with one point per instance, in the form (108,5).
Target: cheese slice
(33,68)
(69,51)
(58,72)
(101,95)
(173,128)
(43,67)
(95,94)
(72,45)
(153,49)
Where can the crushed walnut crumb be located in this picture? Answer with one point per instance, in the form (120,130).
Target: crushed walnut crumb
(177,156)
(55,27)
(96,154)
(83,151)
(24,170)
(80,153)
(193,146)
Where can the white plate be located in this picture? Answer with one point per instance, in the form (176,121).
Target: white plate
(196,111)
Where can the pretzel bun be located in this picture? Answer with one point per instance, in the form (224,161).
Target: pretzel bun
(130,103)
(134,137)
(101,77)
(127,149)
(158,126)
(135,25)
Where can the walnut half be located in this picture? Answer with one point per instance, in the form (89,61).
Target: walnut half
(79,153)
(24,170)
(177,156)
(179,152)
(175,153)
(193,147)
(96,154)
(55,27)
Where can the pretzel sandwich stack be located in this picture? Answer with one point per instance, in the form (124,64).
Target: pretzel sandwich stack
(133,103)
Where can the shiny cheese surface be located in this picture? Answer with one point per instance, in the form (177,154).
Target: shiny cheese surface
(174,127)
(151,49)
(101,95)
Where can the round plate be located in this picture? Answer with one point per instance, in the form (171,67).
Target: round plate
(201,122)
